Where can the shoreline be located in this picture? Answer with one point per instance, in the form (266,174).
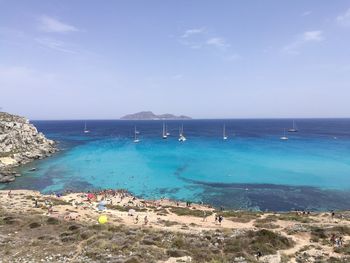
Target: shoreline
(20,143)
(332,195)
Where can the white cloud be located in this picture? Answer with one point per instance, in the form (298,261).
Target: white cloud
(306,13)
(313,36)
(217,42)
(306,37)
(193,31)
(200,38)
(53,25)
(344,19)
(55,45)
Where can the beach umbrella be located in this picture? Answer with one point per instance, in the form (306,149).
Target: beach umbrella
(102,219)
(90,196)
(101,206)
(102,202)
(131,212)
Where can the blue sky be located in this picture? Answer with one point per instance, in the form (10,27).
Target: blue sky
(87,59)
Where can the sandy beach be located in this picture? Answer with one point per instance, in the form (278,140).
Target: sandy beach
(311,236)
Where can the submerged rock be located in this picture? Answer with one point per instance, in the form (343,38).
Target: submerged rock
(6,178)
(20,143)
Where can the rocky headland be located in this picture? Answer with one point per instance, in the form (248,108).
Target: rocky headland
(20,143)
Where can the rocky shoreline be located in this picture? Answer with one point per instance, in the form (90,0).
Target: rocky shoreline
(20,143)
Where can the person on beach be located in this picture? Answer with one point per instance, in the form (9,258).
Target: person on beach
(146,220)
(204,216)
(137,219)
(258,255)
(336,242)
(216,219)
(220,219)
(9,194)
(332,239)
(49,209)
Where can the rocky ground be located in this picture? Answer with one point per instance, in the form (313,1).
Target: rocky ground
(20,143)
(173,233)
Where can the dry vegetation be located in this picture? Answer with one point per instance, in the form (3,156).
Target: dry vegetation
(37,237)
(174,234)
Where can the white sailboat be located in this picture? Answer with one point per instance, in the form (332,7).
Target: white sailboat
(284,137)
(136,139)
(85,129)
(165,136)
(182,138)
(224,136)
(294,129)
(166,129)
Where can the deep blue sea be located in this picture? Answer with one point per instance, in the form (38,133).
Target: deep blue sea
(253,169)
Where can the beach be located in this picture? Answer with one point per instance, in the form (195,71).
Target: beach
(27,214)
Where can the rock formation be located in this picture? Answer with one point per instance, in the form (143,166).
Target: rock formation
(20,143)
(149,115)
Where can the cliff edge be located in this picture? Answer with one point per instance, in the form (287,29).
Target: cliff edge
(20,143)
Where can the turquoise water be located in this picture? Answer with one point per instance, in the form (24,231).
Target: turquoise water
(253,169)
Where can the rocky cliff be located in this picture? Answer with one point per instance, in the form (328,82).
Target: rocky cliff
(20,143)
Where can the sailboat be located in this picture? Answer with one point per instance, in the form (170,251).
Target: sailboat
(85,129)
(284,137)
(294,129)
(165,136)
(182,138)
(224,136)
(166,129)
(136,139)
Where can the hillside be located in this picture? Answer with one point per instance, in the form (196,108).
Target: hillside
(45,228)
(149,115)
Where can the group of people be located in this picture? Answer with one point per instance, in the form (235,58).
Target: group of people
(188,203)
(302,213)
(219,219)
(109,193)
(336,241)
(145,220)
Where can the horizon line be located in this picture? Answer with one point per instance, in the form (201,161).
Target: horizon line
(195,119)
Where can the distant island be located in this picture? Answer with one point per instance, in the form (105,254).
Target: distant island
(149,115)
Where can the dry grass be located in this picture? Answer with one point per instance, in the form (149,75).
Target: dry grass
(98,243)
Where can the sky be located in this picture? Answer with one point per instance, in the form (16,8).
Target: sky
(86,59)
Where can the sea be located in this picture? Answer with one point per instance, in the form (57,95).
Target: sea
(253,169)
